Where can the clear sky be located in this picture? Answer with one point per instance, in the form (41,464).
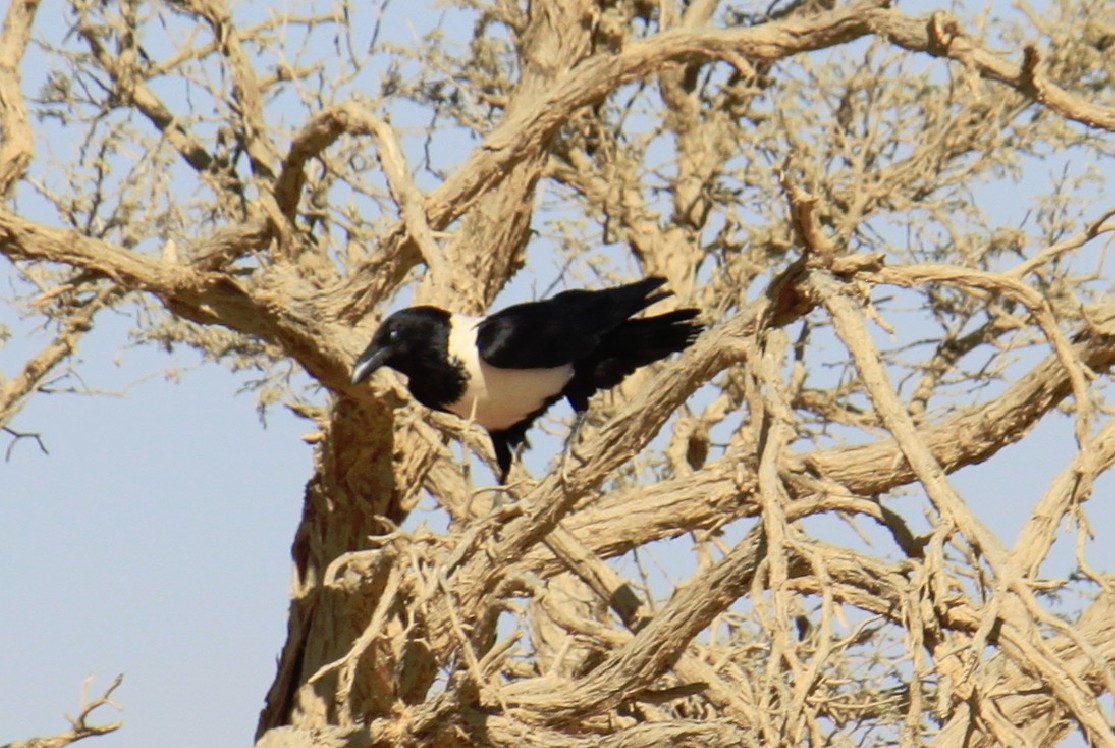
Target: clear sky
(154,538)
(154,541)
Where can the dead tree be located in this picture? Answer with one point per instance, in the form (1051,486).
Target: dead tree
(264,185)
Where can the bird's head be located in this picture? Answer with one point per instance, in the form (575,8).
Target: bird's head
(404,341)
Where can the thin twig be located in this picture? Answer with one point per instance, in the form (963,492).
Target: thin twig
(79,725)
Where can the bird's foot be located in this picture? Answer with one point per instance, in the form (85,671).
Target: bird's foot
(570,446)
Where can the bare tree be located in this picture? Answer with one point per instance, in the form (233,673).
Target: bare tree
(264,183)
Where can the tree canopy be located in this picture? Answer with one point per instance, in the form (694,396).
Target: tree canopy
(894,223)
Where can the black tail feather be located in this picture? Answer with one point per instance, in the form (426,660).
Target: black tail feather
(631,345)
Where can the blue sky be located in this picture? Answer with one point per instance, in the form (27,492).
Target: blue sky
(154,537)
(153,540)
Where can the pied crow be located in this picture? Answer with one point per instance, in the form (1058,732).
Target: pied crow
(504,370)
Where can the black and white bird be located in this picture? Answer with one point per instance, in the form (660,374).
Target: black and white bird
(504,370)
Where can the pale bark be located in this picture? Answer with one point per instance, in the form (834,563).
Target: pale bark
(748,159)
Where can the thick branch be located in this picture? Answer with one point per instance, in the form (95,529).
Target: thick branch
(1021,698)
(616,442)
(17,141)
(311,140)
(278,315)
(1029,650)
(524,133)
(621,521)
(321,132)
(655,647)
(940,35)
(246,91)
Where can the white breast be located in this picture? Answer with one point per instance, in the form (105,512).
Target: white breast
(498,398)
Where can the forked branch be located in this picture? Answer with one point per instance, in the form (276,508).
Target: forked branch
(80,727)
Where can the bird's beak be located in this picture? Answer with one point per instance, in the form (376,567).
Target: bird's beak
(369,361)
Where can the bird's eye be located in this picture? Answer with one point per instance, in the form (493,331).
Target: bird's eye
(393,335)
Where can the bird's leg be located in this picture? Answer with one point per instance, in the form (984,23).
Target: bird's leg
(571,443)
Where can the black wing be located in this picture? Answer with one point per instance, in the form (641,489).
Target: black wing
(564,329)
(635,343)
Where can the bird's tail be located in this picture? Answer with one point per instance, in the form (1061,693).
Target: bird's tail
(637,296)
(639,342)
(630,345)
(606,308)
